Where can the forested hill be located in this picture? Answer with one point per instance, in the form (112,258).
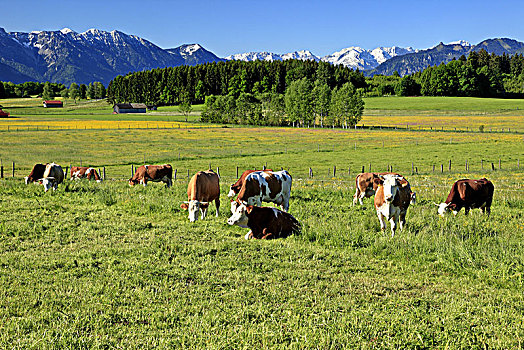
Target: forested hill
(173,85)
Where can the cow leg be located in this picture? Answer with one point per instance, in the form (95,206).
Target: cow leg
(167,181)
(356,196)
(217,205)
(466,210)
(143,182)
(266,234)
(285,205)
(393,221)
(382,221)
(402,220)
(203,212)
(249,235)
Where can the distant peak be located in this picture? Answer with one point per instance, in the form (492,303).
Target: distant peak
(67,31)
(460,42)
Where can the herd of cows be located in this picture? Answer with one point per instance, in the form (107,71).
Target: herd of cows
(392,191)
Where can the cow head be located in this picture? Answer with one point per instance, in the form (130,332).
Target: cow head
(232,192)
(240,216)
(47,182)
(193,206)
(443,208)
(133,182)
(391,184)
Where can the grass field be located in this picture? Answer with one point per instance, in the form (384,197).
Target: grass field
(109,266)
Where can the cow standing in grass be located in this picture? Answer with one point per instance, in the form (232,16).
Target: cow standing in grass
(78,172)
(392,199)
(155,173)
(36,173)
(53,176)
(203,188)
(468,194)
(366,186)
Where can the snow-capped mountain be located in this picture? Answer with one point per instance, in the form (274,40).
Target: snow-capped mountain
(269,56)
(67,56)
(353,57)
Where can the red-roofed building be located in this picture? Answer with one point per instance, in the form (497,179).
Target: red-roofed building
(53,104)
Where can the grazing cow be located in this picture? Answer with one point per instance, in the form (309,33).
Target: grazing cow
(36,174)
(53,176)
(366,186)
(267,186)
(235,188)
(264,222)
(155,173)
(79,172)
(203,188)
(468,194)
(392,199)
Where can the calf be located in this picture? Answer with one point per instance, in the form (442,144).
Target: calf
(264,222)
(78,172)
(468,194)
(392,199)
(155,173)
(36,173)
(203,188)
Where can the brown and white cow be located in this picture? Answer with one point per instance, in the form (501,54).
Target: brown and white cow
(235,188)
(264,222)
(365,186)
(265,186)
(155,173)
(468,194)
(53,176)
(36,173)
(203,188)
(79,172)
(392,199)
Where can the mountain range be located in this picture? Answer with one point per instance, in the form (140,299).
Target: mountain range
(66,56)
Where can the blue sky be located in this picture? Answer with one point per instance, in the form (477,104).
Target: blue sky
(323,27)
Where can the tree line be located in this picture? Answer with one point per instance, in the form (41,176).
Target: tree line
(48,90)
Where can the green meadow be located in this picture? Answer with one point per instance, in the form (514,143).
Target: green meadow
(110,266)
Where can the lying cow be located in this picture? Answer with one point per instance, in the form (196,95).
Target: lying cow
(264,222)
(365,186)
(468,194)
(204,187)
(392,199)
(235,188)
(155,173)
(36,173)
(267,186)
(79,172)
(53,176)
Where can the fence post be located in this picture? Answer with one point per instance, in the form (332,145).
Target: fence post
(334,170)
(369,167)
(433,168)
(218,171)
(492,166)
(450,165)
(104,173)
(13,169)
(441,168)
(466,165)
(499,165)
(66,172)
(237,172)
(132,170)
(363,169)
(310,172)
(412,168)
(1,172)
(349,170)
(188,173)
(482,164)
